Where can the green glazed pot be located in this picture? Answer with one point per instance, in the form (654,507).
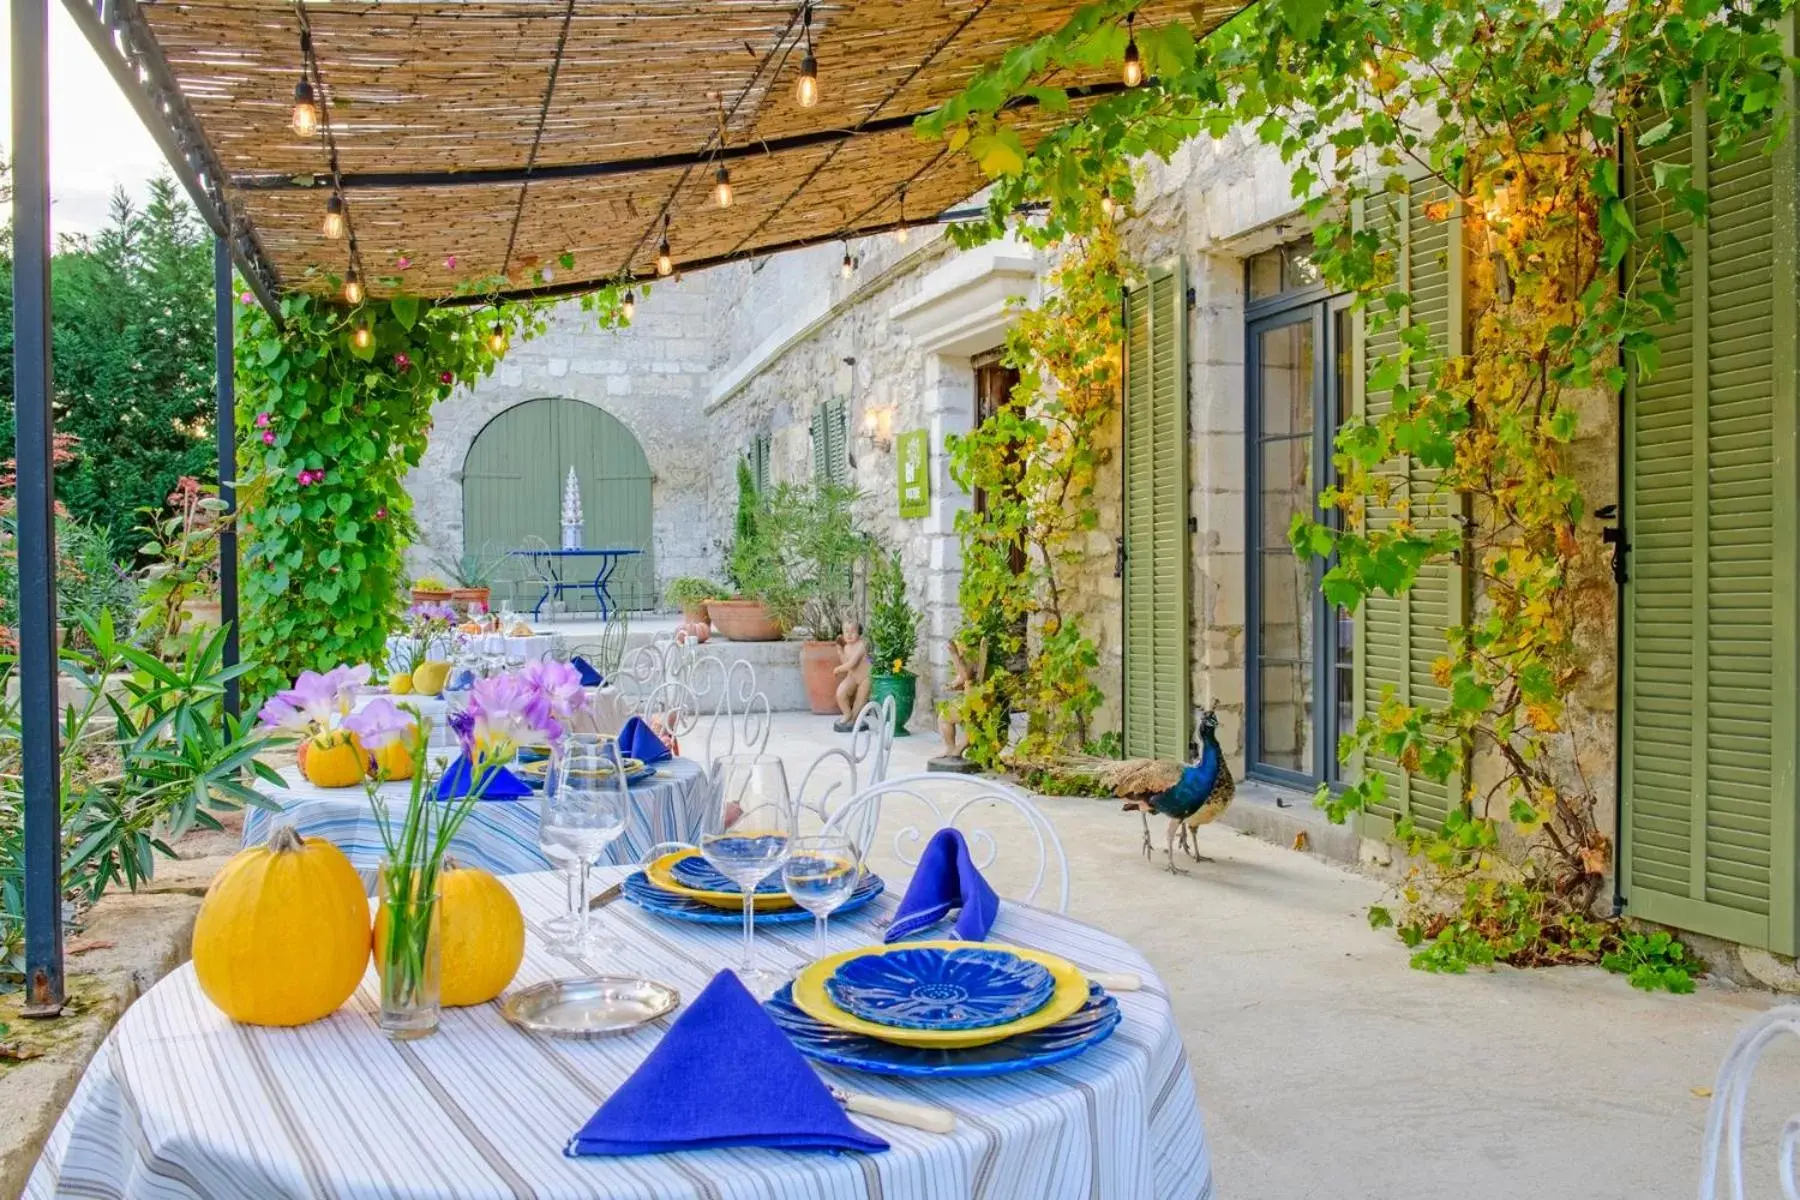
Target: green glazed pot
(903,688)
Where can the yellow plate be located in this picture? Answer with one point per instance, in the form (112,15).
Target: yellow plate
(660,873)
(812,999)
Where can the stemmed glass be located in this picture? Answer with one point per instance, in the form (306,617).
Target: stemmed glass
(583,813)
(820,873)
(755,822)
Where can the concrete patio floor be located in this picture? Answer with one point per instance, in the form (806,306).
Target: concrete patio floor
(1329,1068)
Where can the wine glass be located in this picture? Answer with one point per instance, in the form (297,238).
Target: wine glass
(584,813)
(819,874)
(755,822)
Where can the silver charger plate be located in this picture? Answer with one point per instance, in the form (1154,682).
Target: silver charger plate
(590,1007)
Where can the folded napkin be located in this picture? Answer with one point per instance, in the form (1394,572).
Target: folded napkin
(500,784)
(723,1075)
(946,878)
(637,740)
(585,669)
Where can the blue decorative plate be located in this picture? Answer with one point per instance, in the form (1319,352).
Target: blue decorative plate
(1088,1026)
(695,872)
(940,989)
(534,773)
(652,899)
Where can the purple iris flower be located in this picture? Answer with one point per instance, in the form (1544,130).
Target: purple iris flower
(380,724)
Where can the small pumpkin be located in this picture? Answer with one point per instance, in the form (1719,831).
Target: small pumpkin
(282,937)
(335,760)
(693,631)
(428,678)
(400,683)
(482,936)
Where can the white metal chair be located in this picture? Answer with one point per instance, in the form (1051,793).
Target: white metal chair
(956,801)
(863,763)
(716,710)
(1725,1118)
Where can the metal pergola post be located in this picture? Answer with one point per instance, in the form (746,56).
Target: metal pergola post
(36,529)
(225,423)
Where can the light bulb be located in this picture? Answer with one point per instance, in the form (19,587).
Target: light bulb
(334,217)
(361,338)
(806,89)
(849,266)
(1133,73)
(306,113)
(353,288)
(902,234)
(629,307)
(497,339)
(722,188)
(665,262)
(1108,207)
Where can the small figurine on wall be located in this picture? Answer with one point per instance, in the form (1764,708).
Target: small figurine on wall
(853,671)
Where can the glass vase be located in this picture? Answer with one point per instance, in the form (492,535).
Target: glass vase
(407,954)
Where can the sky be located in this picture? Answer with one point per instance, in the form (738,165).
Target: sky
(96,140)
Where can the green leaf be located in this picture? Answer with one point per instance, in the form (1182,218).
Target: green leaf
(405,309)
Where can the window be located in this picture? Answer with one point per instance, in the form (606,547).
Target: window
(758,455)
(831,442)
(1301,682)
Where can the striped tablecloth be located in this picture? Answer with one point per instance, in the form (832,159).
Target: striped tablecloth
(180,1102)
(500,835)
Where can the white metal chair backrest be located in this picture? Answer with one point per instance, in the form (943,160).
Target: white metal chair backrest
(843,770)
(1725,1117)
(959,802)
(716,709)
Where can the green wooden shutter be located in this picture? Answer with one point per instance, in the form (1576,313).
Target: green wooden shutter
(1399,637)
(1708,729)
(758,454)
(831,442)
(1158,714)
(821,447)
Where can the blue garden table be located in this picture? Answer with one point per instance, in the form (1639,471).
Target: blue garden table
(547,564)
(500,835)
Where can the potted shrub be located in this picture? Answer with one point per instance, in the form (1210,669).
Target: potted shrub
(429,589)
(690,594)
(755,570)
(825,546)
(893,640)
(473,577)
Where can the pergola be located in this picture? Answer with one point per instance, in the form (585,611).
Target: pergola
(480,149)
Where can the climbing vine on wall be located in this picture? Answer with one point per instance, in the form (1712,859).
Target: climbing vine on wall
(1511,112)
(1035,462)
(328,428)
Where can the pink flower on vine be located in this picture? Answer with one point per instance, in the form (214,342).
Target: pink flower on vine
(246,298)
(262,420)
(402,362)
(450,263)
(381,513)
(446,378)
(403,262)
(304,477)
(268,437)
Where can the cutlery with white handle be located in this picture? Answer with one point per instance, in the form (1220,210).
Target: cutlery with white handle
(900,1112)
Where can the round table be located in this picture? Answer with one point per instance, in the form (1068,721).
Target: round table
(499,836)
(181,1102)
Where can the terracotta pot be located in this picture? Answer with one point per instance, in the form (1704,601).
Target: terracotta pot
(743,621)
(430,596)
(816,661)
(472,599)
(695,614)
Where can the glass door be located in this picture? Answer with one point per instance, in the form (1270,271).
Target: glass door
(1300,667)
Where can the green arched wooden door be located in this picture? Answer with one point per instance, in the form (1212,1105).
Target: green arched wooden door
(512,492)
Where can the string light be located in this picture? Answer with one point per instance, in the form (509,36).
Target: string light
(629,307)
(849,266)
(722,187)
(334,217)
(665,262)
(497,339)
(806,88)
(353,288)
(902,234)
(305,116)
(1134,64)
(361,338)
(1108,206)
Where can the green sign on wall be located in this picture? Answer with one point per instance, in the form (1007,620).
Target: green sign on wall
(914,449)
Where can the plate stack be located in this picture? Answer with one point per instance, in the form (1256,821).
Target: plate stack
(536,770)
(683,885)
(943,1009)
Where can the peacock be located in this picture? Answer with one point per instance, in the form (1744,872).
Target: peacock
(1189,794)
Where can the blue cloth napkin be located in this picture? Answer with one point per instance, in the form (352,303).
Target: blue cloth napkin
(723,1075)
(585,669)
(501,784)
(946,878)
(637,740)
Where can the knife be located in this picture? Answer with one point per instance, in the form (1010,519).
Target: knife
(607,897)
(900,1112)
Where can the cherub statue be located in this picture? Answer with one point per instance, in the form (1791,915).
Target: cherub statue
(854,670)
(963,674)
